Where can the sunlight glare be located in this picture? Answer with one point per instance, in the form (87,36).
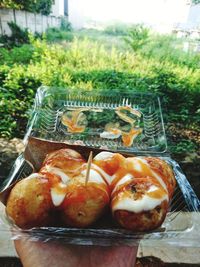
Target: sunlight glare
(149,12)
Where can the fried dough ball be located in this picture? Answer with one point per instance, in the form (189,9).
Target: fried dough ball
(60,167)
(84,204)
(165,171)
(143,221)
(109,162)
(139,205)
(142,192)
(29,203)
(68,160)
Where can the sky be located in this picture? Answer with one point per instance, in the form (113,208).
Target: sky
(151,12)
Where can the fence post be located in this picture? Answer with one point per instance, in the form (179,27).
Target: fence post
(35,21)
(42,22)
(1,27)
(26,20)
(14,15)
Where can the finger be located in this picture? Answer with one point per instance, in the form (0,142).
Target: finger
(39,254)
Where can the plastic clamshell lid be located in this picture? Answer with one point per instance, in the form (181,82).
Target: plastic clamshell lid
(129,122)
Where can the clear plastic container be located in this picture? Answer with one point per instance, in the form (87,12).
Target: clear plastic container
(101,119)
(97,113)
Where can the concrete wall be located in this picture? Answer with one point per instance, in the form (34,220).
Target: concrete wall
(34,22)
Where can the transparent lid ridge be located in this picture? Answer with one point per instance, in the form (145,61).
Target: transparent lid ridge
(129,122)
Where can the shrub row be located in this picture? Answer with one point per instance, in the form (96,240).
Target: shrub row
(88,65)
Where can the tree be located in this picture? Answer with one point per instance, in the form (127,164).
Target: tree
(137,37)
(44,6)
(11,4)
(195,2)
(38,6)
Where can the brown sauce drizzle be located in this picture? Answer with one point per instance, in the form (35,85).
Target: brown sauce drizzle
(127,167)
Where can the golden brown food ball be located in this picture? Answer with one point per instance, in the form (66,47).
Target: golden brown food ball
(109,162)
(142,221)
(139,205)
(84,204)
(66,159)
(29,203)
(163,169)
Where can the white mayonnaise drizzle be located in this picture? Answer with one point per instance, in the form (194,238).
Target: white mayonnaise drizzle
(106,176)
(34,175)
(94,176)
(57,197)
(153,188)
(143,204)
(104,155)
(124,179)
(109,135)
(138,167)
(64,177)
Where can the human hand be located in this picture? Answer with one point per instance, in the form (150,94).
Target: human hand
(40,254)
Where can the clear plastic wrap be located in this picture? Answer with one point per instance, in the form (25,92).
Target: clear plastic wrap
(46,133)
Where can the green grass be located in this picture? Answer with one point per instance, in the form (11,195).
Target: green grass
(108,41)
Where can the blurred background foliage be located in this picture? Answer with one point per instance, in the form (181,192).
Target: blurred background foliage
(120,58)
(35,6)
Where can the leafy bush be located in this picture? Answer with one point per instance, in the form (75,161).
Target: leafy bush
(117,29)
(88,65)
(183,146)
(39,6)
(18,36)
(21,55)
(169,48)
(54,35)
(16,98)
(65,25)
(137,37)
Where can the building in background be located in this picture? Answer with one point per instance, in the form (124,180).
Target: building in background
(60,8)
(160,15)
(163,16)
(194,16)
(73,9)
(76,14)
(191,26)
